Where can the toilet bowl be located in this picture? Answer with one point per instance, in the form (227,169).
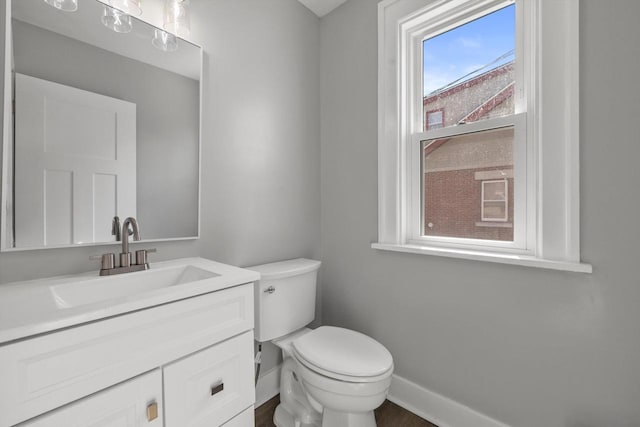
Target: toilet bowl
(331,377)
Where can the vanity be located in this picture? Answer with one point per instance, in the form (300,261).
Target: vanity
(171,346)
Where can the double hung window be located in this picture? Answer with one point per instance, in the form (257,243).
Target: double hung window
(469,138)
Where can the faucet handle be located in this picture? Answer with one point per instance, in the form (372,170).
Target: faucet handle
(108,261)
(141,255)
(115,228)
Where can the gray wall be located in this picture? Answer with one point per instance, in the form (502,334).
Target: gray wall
(167,120)
(529,347)
(262,166)
(261,200)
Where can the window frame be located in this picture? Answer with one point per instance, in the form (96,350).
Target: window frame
(505,201)
(432,23)
(550,111)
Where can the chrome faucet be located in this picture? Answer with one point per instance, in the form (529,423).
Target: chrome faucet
(125,256)
(127,261)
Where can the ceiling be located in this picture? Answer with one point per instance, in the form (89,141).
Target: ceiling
(321,7)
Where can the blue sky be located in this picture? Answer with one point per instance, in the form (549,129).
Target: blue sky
(453,54)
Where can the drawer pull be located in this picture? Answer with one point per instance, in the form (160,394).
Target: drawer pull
(217,389)
(152,411)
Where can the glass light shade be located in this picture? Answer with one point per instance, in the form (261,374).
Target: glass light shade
(64,5)
(130,7)
(164,41)
(116,20)
(176,17)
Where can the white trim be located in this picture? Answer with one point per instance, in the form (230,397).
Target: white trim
(550,97)
(493,174)
(7,123)
(436,408)
(558,129)
(412,34)
(425,403)
(268,385)
(500,258)
(494,224)
(117,244)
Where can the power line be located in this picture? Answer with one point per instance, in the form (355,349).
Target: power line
(453,83)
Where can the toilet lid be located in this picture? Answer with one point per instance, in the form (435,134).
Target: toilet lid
(343,351)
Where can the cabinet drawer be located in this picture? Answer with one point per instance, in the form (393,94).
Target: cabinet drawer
(45,372)
(210,387)
(123,405)
(245,419)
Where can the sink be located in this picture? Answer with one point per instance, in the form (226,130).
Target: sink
(74,294)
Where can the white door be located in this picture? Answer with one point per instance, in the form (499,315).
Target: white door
(134,403)
(75,163)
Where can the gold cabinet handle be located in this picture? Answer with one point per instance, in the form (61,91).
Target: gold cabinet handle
(152,411)
(217,389)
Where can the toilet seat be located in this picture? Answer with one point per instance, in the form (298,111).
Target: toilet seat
(344,355)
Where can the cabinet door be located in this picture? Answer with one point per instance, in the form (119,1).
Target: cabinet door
(134,403)
(211,386)
(245,419)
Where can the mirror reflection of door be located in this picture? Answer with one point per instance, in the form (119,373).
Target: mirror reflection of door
(75,158)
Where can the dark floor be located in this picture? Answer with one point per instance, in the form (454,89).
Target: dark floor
(387,415)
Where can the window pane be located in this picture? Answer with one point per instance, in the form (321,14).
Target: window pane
(494,211)
(494,190)
(468,72)
(434,119)
(454,172)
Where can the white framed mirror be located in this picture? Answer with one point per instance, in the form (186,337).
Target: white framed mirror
(104,124)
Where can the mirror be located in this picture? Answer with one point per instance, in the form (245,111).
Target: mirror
(105,124)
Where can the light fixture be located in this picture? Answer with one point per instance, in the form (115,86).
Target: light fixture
(116,20)
(164,41)
(130,7)
(64,5)
(176,17)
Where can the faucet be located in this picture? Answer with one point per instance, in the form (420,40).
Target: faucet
(127,263)
(125,256)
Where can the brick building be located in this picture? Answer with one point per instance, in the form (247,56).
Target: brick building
(468,180)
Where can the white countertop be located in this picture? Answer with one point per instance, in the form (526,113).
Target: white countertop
(32,307)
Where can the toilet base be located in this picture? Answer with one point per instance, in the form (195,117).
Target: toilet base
(283,418)
(342,419)
(294,409)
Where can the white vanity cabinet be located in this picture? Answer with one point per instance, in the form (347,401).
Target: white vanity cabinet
(134,403)
(191,360)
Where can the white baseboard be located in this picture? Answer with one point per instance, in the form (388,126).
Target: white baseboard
(425,403)
(268,385)
(436,408)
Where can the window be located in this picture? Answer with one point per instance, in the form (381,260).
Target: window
(496,177)
(495,200)
(434,119)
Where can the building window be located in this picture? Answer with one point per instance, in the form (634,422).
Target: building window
(434,119)
(511,98)
(495,201)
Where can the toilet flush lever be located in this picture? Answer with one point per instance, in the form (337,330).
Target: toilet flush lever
(269,290)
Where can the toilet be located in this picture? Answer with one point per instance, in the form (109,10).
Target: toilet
(331,377)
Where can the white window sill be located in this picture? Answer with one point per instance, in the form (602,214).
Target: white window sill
(528,261)
(494,224)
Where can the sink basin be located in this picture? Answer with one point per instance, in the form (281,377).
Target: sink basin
(85,292)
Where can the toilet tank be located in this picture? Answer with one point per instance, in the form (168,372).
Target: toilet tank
(284,297)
